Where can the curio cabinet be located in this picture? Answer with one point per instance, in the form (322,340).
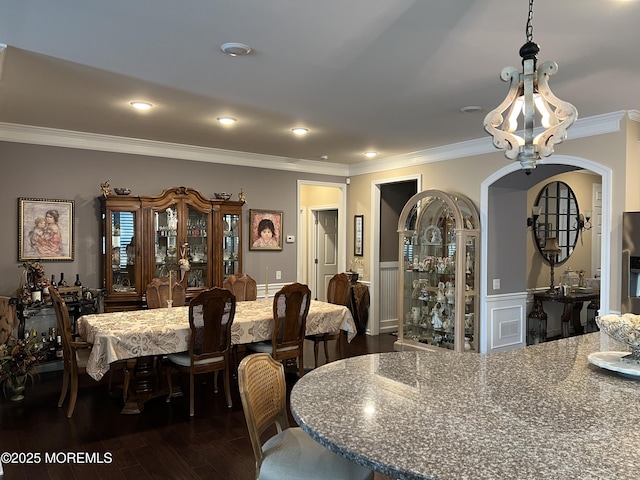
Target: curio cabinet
(179,232)
(438,273)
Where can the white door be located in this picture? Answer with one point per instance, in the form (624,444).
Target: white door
(326,259)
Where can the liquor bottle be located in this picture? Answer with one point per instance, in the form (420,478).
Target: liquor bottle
(59,353)
(36,294)
(62,282)
(53,281)
(51,355)
(78,283)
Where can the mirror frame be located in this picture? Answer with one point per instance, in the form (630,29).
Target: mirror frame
(554,219)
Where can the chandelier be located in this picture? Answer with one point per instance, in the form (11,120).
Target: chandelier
(531,98)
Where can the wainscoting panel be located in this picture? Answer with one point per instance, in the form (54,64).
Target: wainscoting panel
(506,322)
(388,301)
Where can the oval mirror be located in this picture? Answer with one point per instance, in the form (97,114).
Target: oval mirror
(555,214)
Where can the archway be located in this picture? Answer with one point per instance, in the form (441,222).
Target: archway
(605,260)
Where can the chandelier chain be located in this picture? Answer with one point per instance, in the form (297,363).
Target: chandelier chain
(529,29)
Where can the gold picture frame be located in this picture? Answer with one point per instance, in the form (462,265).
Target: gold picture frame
(270,220)
(45,229)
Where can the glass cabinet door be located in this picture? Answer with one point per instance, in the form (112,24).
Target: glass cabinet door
(197,238)
(166,241)
(230,244)
(124,256)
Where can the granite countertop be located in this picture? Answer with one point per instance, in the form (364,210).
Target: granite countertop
(538,412)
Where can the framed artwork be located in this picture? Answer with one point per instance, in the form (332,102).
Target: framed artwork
(358,230)
(45,229)
(266,230)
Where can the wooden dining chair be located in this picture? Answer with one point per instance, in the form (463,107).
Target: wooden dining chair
(338,293)
(290,310)
(157,293)
(8,319)
(242,285)
(75,353)
(290,453)
(211,315)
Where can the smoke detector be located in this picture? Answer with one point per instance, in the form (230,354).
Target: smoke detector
(235,49)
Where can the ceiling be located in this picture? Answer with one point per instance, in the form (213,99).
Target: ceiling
(383,75)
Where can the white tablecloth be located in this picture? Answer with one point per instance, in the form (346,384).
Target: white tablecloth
(121,335)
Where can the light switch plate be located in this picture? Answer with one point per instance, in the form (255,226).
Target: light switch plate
(291,238)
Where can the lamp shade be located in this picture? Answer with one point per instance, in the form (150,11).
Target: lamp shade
(551,246)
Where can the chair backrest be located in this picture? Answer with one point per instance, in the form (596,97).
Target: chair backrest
(158,293)
(339,289)
(263,394)
(211,315)
(8,319)
(290,309)
(64,326)
(242,285)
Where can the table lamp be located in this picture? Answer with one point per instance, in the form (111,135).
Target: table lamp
(551,250)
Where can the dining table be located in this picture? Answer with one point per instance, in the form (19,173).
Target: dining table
(539,412)
(148,333)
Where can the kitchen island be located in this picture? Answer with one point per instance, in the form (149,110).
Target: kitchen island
(538,412)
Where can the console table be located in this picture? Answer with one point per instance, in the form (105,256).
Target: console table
(573,303)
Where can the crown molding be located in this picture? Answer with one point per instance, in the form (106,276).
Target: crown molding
(9,132)
(53,137)
(586,127)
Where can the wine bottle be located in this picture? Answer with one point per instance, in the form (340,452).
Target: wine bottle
(59,353)
(53,281)
(36,294)
(62,282)
(78,283)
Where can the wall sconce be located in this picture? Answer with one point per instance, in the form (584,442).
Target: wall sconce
(533,219)
(584,221)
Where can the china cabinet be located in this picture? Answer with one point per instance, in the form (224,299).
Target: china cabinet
(438,273)
(179,232)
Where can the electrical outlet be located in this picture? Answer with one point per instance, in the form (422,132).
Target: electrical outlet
(496,284)
(278,275)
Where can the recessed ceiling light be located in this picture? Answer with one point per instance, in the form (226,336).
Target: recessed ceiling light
(370,154)
(471,109)
(227,120)
(300,130)
(141,105)
(324,157)
(235,49)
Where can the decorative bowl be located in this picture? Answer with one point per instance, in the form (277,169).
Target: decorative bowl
(222,196)
(122,191)
(624,329)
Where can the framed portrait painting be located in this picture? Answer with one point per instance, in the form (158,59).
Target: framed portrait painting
(45,229)
(266,230)
(358,229)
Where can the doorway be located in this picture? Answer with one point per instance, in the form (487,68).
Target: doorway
(383,312)
(503,274)
(314,198)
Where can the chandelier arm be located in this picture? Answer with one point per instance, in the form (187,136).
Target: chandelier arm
(564,114)
(502,137)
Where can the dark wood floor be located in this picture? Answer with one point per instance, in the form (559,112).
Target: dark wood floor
(162,442)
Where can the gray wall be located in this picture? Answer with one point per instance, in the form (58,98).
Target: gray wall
(35,171)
